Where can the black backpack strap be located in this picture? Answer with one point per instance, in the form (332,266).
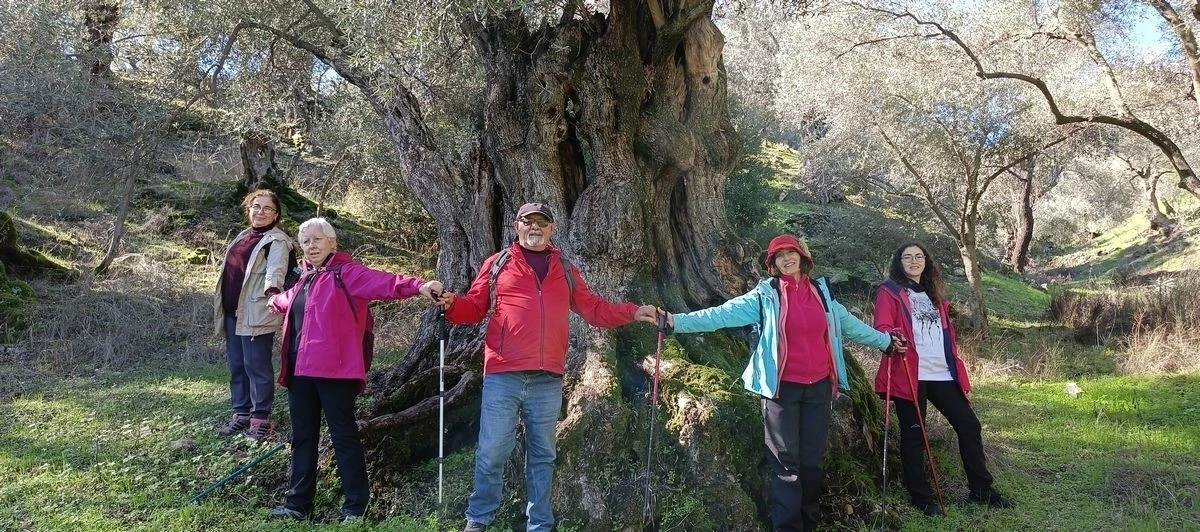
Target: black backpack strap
(337,278)
(821,293)
(570,270)
(892,286)
(502,260)
(498,264)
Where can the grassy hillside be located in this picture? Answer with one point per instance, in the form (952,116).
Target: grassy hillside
(1128,252)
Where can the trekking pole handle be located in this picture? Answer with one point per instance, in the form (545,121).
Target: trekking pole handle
(443,329)
(663,325)
(900,341)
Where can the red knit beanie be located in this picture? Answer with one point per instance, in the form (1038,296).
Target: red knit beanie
(783,242)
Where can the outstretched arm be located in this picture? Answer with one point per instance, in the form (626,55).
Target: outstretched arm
(740,311)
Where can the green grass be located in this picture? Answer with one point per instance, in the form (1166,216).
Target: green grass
(97,454)
(1127,249)
(1120,457)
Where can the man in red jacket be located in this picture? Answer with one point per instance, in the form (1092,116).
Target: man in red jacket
(524,358)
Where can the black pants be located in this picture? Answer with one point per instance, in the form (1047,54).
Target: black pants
(796,425)
(948,398)
(307,397)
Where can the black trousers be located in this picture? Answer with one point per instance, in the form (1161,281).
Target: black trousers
(796,426)
(307,398)
(948,398)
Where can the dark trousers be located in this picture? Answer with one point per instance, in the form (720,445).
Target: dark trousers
(307,398)
(796,426)
(948,398)
(251,371)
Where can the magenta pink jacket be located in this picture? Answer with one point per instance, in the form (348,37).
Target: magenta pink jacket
(331,340)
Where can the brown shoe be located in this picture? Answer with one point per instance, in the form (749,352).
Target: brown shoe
(238,424)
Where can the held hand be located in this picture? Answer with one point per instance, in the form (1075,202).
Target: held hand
(899,345)
(666,322)
(443,299)
(646,313)
(271,305)
(431,289)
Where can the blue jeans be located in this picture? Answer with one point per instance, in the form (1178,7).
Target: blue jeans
(534,399)
(251,371)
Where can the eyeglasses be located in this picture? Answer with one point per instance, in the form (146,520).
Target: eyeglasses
(919,257)
(538,222)
(263,209)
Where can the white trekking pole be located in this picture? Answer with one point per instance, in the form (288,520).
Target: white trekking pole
(442,334)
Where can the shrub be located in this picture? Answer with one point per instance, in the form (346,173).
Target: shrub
(1158,325)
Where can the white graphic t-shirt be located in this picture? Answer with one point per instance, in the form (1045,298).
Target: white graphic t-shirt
(927,334)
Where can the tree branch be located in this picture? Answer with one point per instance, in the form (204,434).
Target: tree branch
(928,197)
(1008,167)
(339,38)
(333,58)
(1187,39)
(883,40)
(1128,121)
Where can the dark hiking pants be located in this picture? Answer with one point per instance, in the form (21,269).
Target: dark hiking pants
(308,397)
(947,397)
(796,424)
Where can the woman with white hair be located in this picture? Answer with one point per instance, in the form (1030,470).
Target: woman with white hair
(324,363)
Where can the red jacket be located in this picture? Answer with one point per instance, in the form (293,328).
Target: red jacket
(893,310)
(331,340)
(529,328)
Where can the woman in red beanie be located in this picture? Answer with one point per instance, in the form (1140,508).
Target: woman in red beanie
(797,367)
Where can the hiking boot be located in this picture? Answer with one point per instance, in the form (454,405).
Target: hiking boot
(989,497)
(237,424)
(472,526)
(930,509)
(259,429)
(350,519)
(283,512)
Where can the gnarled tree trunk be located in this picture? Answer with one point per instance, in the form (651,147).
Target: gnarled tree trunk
(620,123)
(258,162)
(100,18)
(1022,235)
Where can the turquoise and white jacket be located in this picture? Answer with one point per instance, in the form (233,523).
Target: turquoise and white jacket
(761,306)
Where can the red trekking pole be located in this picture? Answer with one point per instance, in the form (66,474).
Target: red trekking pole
(925,436)
(648,510)
(887,407)
(887,411)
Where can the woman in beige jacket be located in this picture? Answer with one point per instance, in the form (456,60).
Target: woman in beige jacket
(254,270)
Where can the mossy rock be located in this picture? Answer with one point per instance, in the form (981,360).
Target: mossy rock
(16,304)
(20,261)
(198,256)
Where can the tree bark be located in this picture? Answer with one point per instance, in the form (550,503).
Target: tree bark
(100,18)
(1159,222)
(258,162)
(1018,256)
(968,249)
